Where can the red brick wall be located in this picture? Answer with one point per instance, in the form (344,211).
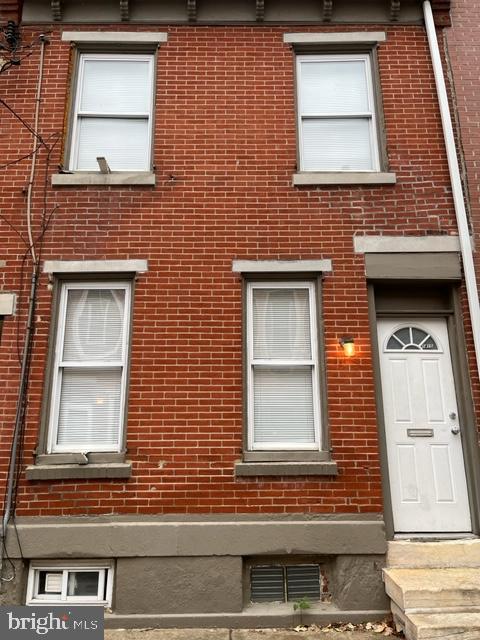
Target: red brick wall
(463,46)
(225,128)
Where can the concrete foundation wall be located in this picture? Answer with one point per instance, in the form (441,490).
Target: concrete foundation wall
(357,582)
(167,571)
(178,585)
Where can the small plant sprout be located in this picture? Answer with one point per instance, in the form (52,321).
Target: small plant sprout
(301,604)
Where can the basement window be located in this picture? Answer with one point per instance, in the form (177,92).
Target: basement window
(79,585)
(277,583)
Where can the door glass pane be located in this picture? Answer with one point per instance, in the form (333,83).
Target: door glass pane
(411,339)
(337,144)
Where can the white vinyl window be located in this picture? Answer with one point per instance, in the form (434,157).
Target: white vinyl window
(113,112)
(77,585)
(283,379)
(89,375)
(336,113)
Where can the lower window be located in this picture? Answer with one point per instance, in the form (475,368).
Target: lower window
(75,584)
(283,366)
(89,374)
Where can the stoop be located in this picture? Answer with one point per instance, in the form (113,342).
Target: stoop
(434,588)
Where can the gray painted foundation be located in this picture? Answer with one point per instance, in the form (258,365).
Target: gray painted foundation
(178,585)
(195,572)
(13,591)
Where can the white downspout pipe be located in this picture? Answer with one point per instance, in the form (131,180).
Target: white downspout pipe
(457,191)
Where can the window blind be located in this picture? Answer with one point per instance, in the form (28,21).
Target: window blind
(282,366)
(89,379)
(336,113)
(283,401)
(94,325)
(337,145)
(113,112)
(334,87)
(123,142)
(281,324)
(115,86)
(89,407)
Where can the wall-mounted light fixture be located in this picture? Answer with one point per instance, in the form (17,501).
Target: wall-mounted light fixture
(348,345)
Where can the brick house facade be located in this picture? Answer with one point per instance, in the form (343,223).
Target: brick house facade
(178,461)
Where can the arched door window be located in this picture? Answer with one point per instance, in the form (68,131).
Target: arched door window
(411,339)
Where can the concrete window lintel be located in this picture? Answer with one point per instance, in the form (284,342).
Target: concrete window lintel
(95,178)
(95,266)
(281,266)
(313,178)
(120,37)
(344,37)
(406,244)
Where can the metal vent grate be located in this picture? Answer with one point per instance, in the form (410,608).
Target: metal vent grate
(303,581)
(267,584)
(270,583)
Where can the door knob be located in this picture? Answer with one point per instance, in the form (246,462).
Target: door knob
(455,431)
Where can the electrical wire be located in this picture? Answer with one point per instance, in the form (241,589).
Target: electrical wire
(20,119)
(18,440)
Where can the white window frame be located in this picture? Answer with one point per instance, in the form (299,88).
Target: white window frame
(313,362)
(78,114)
(60,364)
(105,584)
(371,114)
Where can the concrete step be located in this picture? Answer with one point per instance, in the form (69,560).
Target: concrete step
(447,626)
(462,625)
(425,589)
(444,553)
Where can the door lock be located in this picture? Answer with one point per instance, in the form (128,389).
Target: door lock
(455,431)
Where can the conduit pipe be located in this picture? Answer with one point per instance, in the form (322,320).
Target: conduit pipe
(29,333)
(457,190)
(35,149)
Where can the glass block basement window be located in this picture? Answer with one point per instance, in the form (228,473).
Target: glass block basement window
(276,583)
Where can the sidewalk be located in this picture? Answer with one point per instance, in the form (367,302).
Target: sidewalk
(323,633)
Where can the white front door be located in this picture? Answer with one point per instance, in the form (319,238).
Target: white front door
(424,443)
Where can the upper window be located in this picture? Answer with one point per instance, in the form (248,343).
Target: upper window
(90,368)
(336,113)
(283,378)
(113,112)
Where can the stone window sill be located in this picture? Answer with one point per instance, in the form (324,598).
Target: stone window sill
(80,471)
(313,178)
(95,178)
(286,456)
(325,468)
